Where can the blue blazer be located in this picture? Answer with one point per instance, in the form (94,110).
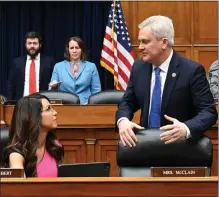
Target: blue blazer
(15,83)
(186,97)
(86,83)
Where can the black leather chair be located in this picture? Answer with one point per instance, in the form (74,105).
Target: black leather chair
(150,151)
(67,98)
(106,97)
(3,142)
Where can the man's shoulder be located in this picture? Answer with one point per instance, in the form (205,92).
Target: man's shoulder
(187,63)
(19,58)
(139,63)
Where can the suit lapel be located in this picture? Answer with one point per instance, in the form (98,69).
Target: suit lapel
(147,90)
(22,69)
(82,67)
(42,65)
(172,76)
(68,69)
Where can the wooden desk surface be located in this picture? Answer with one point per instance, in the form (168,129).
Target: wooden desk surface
(79,116)
(111,186)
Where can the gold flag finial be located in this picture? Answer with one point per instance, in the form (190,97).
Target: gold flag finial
(2,100)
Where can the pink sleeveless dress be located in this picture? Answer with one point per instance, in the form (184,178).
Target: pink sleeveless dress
(47,167)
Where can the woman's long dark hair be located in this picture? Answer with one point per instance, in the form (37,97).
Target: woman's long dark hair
(24,131)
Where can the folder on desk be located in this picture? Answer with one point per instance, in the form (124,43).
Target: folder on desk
(94,169)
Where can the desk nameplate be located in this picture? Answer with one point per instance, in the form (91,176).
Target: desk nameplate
(11,173)
(179,171)
(55,101)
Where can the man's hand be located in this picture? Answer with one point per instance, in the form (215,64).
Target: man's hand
(126,133)
(174,131)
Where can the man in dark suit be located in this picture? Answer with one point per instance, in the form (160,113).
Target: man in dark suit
(171,91)
(30,73)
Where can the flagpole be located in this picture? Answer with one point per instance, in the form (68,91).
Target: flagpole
(117,55)
(112,33)
(112,36)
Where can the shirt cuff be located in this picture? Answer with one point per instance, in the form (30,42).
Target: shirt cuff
(123,118)
(188,133)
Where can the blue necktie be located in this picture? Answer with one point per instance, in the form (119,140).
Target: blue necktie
(154,119)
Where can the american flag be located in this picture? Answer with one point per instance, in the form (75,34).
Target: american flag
(117,55)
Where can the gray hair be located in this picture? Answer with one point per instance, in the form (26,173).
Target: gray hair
(161,27)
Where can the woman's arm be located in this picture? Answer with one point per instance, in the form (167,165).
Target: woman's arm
(16,160)
(95,81)
(54,79)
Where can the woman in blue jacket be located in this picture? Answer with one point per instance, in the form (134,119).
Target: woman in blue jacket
(76,74)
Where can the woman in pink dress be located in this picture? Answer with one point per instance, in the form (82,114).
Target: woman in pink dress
(32,141)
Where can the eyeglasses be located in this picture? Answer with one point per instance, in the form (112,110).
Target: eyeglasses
(48,109)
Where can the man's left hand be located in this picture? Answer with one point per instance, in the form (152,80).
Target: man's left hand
(174,131)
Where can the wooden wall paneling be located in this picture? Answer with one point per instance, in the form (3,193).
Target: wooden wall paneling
(183,50)
(214,169)
(212,134)
(71,133)
(90,145)
(127,8)
(205,55)
(105,150)
(74,144)
(137,53)
(180,12)
(205,22)
(75,151)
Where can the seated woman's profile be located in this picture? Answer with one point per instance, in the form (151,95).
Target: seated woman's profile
(32,141)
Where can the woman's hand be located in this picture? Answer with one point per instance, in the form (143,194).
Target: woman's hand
(55,84)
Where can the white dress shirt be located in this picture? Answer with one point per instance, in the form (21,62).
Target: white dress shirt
(27,73)
(163,74)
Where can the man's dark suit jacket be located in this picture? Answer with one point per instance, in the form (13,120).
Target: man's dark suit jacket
(186,96)
(15,84)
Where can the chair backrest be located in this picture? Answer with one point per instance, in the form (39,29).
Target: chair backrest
(66,97)
(106,97)
(150,151)
(3,142)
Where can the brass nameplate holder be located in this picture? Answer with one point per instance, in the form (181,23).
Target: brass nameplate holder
(55,101)
(179,171)
(11,173)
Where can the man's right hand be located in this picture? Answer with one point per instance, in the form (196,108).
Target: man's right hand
(126,133)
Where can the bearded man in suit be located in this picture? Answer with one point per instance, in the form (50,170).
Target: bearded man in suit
(30,73)
(172,92)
